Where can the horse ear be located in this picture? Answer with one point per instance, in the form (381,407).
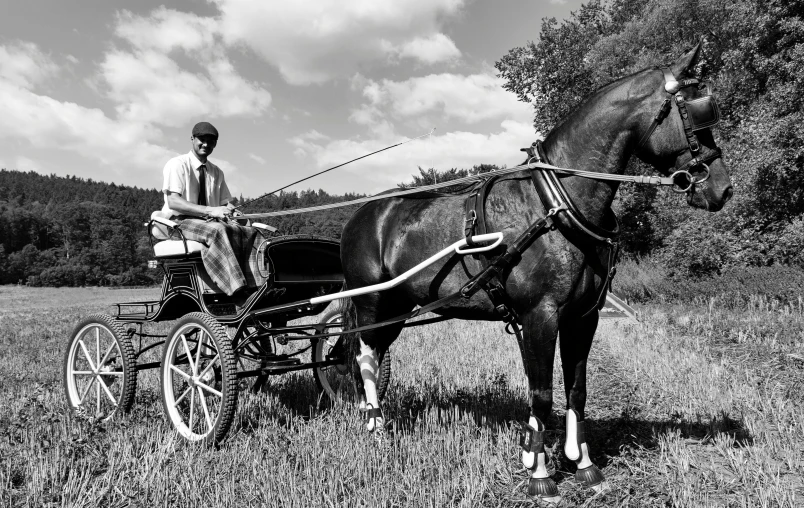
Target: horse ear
(687,62)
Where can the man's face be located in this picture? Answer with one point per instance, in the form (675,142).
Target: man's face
(203,145)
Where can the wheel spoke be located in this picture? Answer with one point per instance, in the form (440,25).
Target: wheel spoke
(97,351)
(86,354)
(192,408)
(182,396)
(203,401)
(111,373)
(180,372)
(199,344)
(211,364)
(108,392)
(86,391)
(210,389)
(83,373)
(97,396)
(106,355)
(189,355)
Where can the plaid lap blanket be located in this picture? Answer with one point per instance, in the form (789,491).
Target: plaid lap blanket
(230,256)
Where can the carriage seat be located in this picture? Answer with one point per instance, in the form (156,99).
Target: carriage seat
(169,245)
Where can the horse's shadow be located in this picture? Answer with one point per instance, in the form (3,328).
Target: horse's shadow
(496,405)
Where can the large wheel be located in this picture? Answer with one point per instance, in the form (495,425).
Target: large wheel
(199,379)
(336,381)
(100,373)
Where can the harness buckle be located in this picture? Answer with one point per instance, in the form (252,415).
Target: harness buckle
(472,219)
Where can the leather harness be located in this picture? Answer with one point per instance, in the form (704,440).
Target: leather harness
(555,199)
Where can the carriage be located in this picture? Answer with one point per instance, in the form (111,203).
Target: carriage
(215,344)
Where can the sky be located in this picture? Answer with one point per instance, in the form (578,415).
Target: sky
(110,90)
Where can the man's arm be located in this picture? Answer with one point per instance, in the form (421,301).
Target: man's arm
(180,205)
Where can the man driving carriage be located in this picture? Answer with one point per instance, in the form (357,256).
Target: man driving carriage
(198,199)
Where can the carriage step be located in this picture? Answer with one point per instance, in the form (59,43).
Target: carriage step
(279,363)
(222,309)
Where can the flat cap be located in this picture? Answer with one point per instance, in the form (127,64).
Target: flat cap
(205,129)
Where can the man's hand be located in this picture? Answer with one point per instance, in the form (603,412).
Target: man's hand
(219,212)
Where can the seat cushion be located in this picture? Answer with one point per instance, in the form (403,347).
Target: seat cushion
(159,231)
(175,248)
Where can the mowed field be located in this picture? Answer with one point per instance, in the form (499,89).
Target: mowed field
(693,406)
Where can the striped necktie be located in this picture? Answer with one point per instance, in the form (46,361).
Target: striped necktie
(202,185)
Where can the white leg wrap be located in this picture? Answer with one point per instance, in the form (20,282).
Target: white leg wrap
(575,451)
(369,368)
(571,449)
(529,458)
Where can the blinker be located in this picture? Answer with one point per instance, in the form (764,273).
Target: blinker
(703,113)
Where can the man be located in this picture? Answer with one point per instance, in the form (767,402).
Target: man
(197,197)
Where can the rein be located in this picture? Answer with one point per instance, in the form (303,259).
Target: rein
(638,179)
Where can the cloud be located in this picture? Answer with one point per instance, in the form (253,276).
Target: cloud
(47,123)
(318,40)
(459,149)
(470,99)
(23,64)
(256,158)
(463,99)
(166,29)
(148,84)
(430,50)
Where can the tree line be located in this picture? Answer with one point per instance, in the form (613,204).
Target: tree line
(70,231)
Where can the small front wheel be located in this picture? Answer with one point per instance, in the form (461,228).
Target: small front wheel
(100,373)
(199,379)
(336,380)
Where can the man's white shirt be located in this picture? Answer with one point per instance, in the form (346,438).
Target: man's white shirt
(181,176)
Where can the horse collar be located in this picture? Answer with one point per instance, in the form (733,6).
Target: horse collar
(554,195)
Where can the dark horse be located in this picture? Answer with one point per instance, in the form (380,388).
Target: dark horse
(558,280)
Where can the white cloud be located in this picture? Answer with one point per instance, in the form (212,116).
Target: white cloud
(23,64)
(463,99)
(317,40)
(470,99)
(430,50)
(460,149)
(256,158)
(166,29)
(148,85)
(47,123)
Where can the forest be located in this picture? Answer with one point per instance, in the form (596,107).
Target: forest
(69,231)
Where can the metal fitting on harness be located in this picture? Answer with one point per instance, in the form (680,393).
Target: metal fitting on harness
(472,219)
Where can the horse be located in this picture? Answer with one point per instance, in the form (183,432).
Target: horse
(556,286)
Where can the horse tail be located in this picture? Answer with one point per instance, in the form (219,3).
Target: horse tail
(351,340)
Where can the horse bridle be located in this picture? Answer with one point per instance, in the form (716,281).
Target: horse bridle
(696,114)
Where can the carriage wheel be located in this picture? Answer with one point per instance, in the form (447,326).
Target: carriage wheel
(199,385)
(100,373)
(336,381)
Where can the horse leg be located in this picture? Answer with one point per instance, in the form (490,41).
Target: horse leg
(373,344)
(576,341)
(540,327)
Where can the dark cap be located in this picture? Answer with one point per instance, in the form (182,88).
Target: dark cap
(204,129)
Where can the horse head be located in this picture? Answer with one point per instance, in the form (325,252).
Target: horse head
(675,136)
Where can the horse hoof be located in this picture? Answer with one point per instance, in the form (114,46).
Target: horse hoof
(590,477)
(544,489)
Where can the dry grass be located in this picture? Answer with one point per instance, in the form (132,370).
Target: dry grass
(692,407)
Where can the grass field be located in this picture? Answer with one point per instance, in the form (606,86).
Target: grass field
(693,406)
